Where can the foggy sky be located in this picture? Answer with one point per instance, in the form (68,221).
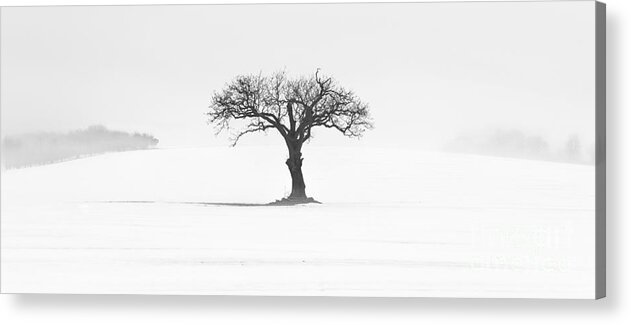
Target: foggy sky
(429,71)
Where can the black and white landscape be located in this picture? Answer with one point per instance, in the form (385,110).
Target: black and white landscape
(428,149)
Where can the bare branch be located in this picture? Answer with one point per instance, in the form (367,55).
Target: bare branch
(291,106)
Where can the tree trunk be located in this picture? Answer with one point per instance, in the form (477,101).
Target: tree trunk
(294,162)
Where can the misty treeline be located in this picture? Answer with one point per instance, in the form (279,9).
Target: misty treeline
(50,147)
(517,144)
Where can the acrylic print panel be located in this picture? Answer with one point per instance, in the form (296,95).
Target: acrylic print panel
(410,149)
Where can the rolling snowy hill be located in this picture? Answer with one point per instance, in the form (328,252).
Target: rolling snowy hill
(393,221)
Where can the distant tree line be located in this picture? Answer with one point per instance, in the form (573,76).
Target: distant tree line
(49,147)
(517,144)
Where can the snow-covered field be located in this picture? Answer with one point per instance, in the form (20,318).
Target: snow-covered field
(394,222)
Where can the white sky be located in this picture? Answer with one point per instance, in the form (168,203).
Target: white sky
(430,71)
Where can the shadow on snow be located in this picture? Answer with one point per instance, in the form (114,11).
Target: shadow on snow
(283,202)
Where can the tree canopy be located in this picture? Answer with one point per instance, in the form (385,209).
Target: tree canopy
(292,106)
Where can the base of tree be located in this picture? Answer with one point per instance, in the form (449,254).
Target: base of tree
(294,201)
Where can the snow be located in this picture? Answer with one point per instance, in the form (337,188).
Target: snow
(394,222)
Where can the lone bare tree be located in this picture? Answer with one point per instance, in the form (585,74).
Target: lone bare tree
(293,107)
